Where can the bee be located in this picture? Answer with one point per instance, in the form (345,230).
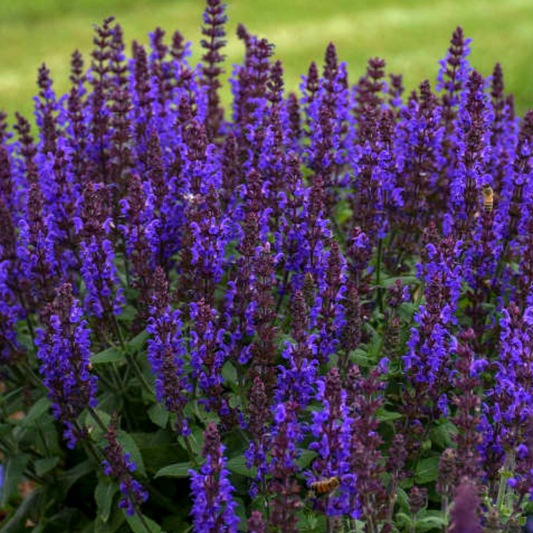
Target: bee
(324,486)
(488,198)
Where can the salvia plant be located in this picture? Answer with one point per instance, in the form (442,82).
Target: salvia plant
(301,312)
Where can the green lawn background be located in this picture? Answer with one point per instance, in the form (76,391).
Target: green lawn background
(410,34)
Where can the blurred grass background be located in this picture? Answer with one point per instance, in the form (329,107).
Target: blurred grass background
(410,34)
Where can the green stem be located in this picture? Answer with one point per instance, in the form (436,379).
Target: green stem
(140,515)
(115,376)
(444,507)
(516,508)
(192,456)
(97,419)
(502,487)
(28,318)
(106,382)
(36,381)
(165,502)
(119,333)
(131,360)
(89,445)
(378,275)
(328,524)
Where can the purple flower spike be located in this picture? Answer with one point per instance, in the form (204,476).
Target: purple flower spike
(64,351)
(213,507)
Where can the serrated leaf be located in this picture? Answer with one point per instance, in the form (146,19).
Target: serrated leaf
(103,495)
(43,466)
(175,470)
(111,355)
(158,415)
(137,526)
(427,470)
(13,474)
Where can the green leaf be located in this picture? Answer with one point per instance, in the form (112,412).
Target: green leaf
(403,520)
(427,470)
(137,343)
(128,314)
(406,280)
(103,495)
(305,458)
(442,434)
(237,465)
(24,509)
(110,402)
(96,433)
(130,446)
(13,474)
(157,457)
(42,466)
(407,483)
(176,522)
(158,415)
(137,526)
(111,355)
(229,372)
(89,528)
(68,478)
(65,520)
(39,408)
(175,470)
(387,416)
(402,499)
(406,311)
(114,523)
(195,441)
(427,523)
(374,346)
(240,511)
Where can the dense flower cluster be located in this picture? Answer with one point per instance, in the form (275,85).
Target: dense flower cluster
(331,290)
